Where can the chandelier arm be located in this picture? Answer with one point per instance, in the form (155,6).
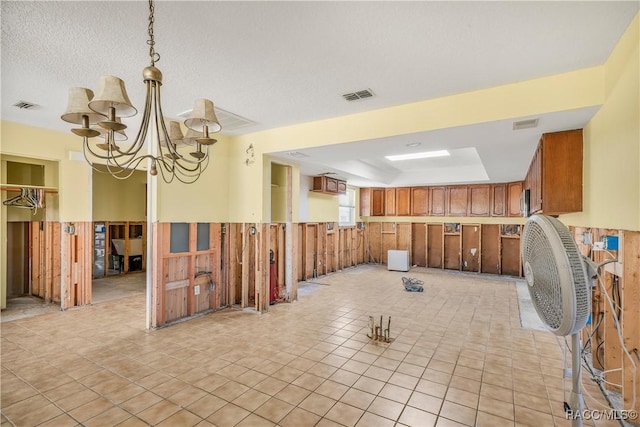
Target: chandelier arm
(165,169)
(142,132)
(178,160)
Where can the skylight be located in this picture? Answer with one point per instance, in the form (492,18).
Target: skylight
(423,155)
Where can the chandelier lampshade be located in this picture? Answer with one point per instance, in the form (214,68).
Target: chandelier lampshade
(78,107)
(112,94)
(166,150)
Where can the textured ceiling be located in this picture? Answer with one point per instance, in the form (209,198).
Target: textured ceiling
(282,63)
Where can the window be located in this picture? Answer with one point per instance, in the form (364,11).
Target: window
(347,208)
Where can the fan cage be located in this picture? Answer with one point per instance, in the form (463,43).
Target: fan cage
(556,275)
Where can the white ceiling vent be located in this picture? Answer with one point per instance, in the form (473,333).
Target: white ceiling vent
(230,122)
(525,124)
(361,94)
(297,154)
(25,105)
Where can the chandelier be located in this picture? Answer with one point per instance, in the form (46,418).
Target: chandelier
(174,154)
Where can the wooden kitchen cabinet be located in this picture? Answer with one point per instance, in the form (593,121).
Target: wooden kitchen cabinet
(419,201)
(554,179)
(377,201)
(498,198)
(390,201)
(365,202)
(479,200)
(403,201)
(514,199)
(325,184)
(437,198)
(457,200)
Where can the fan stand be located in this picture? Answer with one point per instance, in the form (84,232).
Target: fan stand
(577,402)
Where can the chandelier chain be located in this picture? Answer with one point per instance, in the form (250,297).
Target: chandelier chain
(155,56)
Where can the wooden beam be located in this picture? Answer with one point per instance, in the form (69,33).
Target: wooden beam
(630,288)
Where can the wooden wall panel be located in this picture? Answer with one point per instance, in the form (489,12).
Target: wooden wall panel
(419,244)
(374,237)
(471,247)
(510,256)
(434,245)
(310,240)
(490,254)
(360,246)
(176,301)
(452,251)
(403,236)
(631,316)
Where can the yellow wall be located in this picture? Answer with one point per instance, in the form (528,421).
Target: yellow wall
(119,200)
(207,199)
(612,144)
(322,207)
(278,193)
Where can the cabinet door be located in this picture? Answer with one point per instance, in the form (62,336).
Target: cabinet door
(403,201)
(377,202)
(498,192)
(419,201)
(457,199)
(479,200)
(342,187)
(331,185)
(318,183)
(514,197)
(561,172)
(390,201)
(365,202)
(436,201)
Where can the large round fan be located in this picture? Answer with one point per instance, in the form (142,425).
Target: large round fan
(556,275)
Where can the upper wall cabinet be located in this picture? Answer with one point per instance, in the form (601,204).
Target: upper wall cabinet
(479,200)
(485,200)
(554,179)
(328,185)
(419,201)
(457,200)
(403,201)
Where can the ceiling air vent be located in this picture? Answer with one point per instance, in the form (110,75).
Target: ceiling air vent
(25,105)
(525,124)
(297,154)
(361,94)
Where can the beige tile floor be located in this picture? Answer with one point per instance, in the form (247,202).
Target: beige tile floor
(459,358)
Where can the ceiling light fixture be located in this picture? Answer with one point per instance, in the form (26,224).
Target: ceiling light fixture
(166,152)
(423,155)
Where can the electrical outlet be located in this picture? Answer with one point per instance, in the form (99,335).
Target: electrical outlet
(196,290)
